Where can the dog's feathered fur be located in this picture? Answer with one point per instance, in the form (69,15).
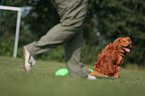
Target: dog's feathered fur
(111,58)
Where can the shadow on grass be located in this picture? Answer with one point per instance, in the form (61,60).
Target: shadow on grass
(110,78)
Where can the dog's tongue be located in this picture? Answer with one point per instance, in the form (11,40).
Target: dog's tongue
(127,49)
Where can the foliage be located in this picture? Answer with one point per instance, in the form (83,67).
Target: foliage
(89,54)
(6,48)
(56,54)
(42,17)
(106,20)
(121,18)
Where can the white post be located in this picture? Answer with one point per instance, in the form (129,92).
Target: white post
(17,25)
(17,33)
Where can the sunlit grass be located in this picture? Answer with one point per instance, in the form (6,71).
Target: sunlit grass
(42,81)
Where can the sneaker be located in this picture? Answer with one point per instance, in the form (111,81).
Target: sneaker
(29,61)
(91,77)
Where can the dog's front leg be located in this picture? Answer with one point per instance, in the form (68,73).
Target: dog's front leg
(119,60)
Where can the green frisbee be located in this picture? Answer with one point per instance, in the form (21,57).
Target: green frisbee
(64,72)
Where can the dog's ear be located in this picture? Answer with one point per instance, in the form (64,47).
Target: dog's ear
(117,40)
(130,42)
(128,38)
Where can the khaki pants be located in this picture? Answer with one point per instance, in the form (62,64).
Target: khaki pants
(68,32)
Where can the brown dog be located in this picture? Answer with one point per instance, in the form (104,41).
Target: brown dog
(111,58)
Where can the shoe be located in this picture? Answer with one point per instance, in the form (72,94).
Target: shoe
(29,61)
(91,77)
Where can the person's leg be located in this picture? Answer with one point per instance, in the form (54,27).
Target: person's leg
(72,14)
(73,49)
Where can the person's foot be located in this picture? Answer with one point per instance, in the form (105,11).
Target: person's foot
(29,61)
(91,77)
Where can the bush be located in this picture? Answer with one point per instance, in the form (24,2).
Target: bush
(6,48)
(56,54)
(90,53)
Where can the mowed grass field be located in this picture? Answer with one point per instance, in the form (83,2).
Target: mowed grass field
(43,82)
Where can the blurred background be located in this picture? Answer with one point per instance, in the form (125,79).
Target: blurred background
(106,20)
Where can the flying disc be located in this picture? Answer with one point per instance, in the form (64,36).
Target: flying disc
(64,72)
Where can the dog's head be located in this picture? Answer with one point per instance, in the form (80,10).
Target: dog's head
(123,44)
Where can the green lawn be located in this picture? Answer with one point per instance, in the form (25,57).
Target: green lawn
(42,81)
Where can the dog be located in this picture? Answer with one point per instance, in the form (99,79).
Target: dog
(110,60)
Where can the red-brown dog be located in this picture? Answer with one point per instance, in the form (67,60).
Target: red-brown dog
(111,58)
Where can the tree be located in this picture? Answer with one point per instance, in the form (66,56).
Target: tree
(117,18)
(106,20)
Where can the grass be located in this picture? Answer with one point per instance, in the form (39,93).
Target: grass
(42,81)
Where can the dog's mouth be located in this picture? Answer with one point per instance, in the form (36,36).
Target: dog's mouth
(127,49)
